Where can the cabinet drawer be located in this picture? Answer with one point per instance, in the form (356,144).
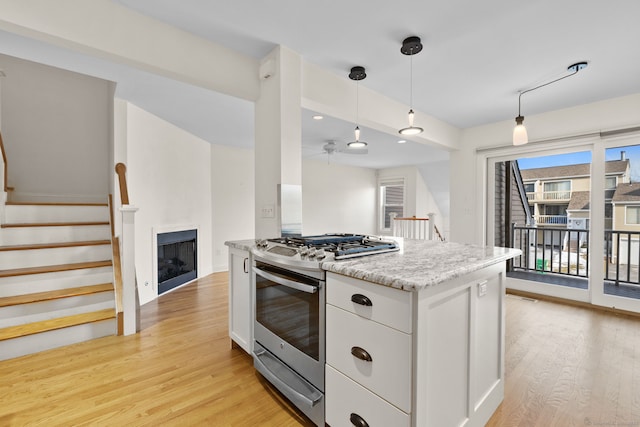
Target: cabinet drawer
(388,372)
(344,397)
(389,306)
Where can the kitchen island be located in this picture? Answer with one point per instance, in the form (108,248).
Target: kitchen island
(414,337)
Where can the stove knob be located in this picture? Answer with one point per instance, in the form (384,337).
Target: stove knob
(304,251)
(320,254)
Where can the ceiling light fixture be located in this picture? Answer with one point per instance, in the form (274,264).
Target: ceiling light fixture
(519,131)
(318,117)
(357,73)
(402,141)
(411,46)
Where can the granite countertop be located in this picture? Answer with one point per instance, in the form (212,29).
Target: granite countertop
(421,263)
(243,245)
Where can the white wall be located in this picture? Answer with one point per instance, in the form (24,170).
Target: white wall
(56,131)
(169,177)
(232,186)
(337,199)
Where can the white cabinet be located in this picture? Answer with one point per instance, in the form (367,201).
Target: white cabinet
(240,299)
(433,358)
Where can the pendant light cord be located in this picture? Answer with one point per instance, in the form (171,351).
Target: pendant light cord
(411,81)
(545,84)
(357,102)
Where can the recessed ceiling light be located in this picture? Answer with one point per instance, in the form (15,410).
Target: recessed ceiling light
(401,141)
(318,117)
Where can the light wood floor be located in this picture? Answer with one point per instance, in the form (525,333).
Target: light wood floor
(565,366)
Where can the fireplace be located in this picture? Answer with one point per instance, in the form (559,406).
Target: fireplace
(177,258)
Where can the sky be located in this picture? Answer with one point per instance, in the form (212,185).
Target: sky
(631,152)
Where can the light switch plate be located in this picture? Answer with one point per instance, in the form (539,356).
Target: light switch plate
(268,211)
(482,288)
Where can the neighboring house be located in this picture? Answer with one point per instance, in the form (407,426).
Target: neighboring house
(626,220)
(559,195)
(511,205)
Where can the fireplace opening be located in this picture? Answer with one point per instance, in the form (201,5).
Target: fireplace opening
(177,259)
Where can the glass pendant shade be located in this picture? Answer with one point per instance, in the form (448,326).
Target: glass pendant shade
(520,132)
(411,130)
(357,143)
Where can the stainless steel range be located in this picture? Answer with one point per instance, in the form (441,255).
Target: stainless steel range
(289,334)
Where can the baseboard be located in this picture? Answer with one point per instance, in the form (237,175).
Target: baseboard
(565,301)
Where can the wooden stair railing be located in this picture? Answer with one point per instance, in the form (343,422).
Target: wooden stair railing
(124,266)
(4,162)
(411,227)
(121,170)
(117,270)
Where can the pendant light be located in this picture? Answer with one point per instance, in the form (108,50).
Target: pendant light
(411,46)
(519,131)
(357,73)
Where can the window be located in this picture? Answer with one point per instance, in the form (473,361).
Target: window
(557,186)
(530,188)
(632,215)
(556,210)
(391,201)
(610,183)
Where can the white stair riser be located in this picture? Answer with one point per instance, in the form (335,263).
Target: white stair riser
(45,310)
(17,214)
(60,234)
(54,256)
(61,337)
(30,283)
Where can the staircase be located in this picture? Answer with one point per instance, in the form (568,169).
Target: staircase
(56,276)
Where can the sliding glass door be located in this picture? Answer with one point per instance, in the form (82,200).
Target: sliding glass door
(575,215)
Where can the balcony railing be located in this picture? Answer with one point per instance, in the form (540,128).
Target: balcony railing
(552,250)
(566,252)
(551,219)
(546,196)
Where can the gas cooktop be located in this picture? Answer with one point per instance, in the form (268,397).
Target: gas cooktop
(310,251)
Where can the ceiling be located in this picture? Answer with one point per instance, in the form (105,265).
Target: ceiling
(477,56)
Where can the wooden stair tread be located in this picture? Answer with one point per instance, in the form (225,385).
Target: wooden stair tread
(55,245)
(55,224)
(56,294)
(55,204)
(54,268)
(58,323)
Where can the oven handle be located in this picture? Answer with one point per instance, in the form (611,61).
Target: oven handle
(310,289)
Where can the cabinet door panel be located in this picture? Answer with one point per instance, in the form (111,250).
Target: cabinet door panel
(345,397)
(353,340)
(240,315)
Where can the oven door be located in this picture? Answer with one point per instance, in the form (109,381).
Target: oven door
(289,319)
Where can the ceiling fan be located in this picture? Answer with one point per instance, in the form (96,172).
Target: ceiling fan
(332,147)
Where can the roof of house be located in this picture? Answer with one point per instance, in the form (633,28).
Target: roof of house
(582,169)
(627,193)
(579,201)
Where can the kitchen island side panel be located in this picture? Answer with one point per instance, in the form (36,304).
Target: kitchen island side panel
(459,350)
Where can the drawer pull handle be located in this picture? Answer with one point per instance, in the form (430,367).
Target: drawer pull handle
(361,299)
(361,354)
(358,421)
